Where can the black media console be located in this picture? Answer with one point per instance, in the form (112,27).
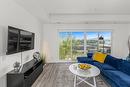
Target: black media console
(29,73)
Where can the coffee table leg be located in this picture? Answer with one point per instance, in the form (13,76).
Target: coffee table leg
(75,78)
(95,85)
(84,80)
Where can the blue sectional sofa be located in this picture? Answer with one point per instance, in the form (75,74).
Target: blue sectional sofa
(115,71)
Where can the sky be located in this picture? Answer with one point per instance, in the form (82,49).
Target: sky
(90,35)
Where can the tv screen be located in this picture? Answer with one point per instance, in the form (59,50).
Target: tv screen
(19,40)
(26,40)
(13,40)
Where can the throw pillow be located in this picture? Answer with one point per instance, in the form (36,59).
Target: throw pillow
(100,57)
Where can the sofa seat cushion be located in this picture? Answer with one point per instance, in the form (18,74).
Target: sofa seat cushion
(108,67)
(104,66)
(124,66)
(120,78)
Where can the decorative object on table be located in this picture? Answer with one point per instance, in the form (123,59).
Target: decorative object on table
(36,56)
(128,57)
(16,66)
(84,66)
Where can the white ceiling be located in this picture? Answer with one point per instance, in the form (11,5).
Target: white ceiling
(50,10)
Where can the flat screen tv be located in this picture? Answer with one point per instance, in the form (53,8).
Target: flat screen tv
(19,40)
(26,41)
(13,40)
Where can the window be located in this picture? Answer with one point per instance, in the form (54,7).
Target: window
(73,44)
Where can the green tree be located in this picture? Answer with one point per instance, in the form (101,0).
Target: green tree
(65,48)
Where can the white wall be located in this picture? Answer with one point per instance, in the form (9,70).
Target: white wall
(14,15)
(120,33)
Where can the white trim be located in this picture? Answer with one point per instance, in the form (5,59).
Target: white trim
(71,47)
(84,14)
(85,44)
(85,30)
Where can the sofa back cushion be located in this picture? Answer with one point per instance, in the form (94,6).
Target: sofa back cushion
(89,55)
(112,61)
(124,66)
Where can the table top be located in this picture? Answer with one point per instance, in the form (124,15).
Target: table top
(92,72)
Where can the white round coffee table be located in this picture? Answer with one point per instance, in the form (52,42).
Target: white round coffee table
(80,74)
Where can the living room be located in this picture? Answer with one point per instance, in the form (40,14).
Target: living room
(48,19)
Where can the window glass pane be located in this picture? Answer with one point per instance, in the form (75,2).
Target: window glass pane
(65,45)
(92,41)
(105,44)
(77,44)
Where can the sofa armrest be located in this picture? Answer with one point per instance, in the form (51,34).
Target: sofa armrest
(84,60)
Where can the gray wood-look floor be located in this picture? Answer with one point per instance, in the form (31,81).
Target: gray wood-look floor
(58,75)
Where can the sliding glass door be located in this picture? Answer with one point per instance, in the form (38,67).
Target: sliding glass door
(73,44)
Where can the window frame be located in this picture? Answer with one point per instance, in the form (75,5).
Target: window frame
(84,31)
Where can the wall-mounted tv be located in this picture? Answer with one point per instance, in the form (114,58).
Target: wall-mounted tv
(19,40)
